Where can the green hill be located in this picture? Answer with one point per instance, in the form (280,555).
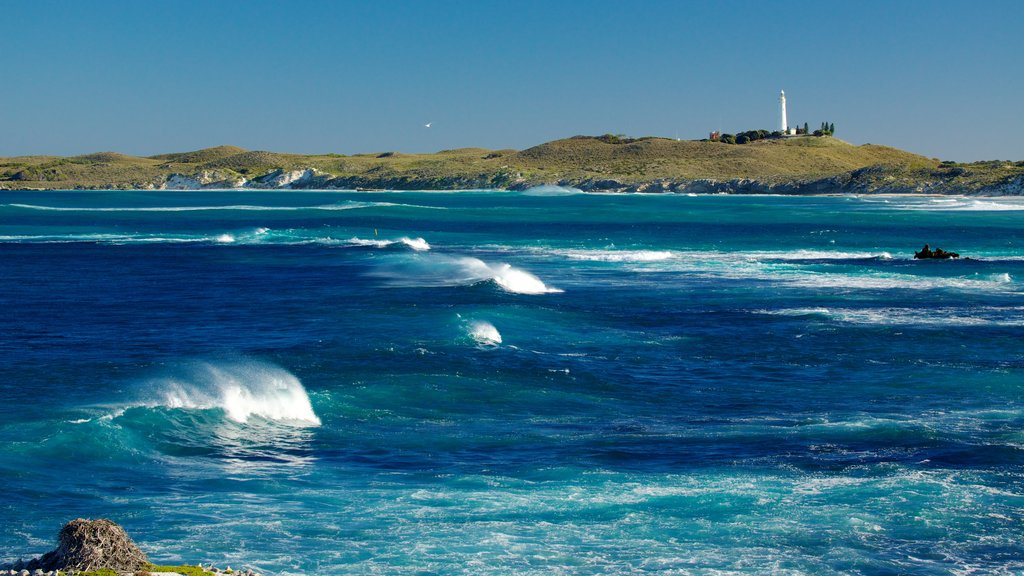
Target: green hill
(804,164)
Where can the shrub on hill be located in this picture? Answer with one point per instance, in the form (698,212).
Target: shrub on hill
(247,162)
(201,156)
(612,138)
(749,136)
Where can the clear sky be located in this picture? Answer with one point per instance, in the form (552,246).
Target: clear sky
(941,78)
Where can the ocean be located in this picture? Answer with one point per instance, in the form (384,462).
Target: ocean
(540,382)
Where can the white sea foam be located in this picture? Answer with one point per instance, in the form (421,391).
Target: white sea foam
(484,333)
(242,389)
(418,244)
(808,268)
(946,204)
(100,238)
(894,316)
(615,255)
(618,255)
(346,205)
(354,241)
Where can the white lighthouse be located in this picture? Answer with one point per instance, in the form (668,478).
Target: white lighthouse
(784,125)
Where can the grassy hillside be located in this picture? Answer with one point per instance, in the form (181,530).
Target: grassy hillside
(652,158)
(577,160)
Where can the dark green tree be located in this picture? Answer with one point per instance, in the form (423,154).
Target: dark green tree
(832,128)
(806,129)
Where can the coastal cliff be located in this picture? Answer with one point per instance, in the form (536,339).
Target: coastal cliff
(798,166)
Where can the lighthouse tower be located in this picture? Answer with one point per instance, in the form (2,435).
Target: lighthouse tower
(784,126)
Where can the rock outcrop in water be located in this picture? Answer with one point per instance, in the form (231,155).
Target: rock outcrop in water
(927,253)
(90,545)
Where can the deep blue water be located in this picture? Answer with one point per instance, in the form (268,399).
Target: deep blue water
(538,383)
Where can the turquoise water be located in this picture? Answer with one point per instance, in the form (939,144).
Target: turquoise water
(516,383)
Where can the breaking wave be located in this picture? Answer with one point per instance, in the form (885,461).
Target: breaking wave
(241,389)
(484,333)
(435,270)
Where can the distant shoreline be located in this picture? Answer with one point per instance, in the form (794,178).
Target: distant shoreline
(495,190)
(805,166)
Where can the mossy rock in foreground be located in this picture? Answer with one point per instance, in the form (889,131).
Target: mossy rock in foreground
(85,545)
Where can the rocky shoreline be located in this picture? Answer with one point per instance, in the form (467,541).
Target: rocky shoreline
(864,181)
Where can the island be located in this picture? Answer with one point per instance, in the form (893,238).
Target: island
(754,162)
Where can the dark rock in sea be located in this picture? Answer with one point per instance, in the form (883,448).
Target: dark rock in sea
(927,253)
(90,545)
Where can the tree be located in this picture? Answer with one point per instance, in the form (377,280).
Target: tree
(727,138)
(806,129)
(832,128)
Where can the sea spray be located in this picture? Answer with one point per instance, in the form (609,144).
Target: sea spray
(241,388)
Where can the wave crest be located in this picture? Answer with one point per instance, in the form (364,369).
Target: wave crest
(242,389)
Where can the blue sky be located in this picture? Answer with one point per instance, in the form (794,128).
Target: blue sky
(941,78)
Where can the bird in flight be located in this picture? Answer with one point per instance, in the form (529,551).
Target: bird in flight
(427,125)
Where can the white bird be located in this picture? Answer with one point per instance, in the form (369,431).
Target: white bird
(427,125)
